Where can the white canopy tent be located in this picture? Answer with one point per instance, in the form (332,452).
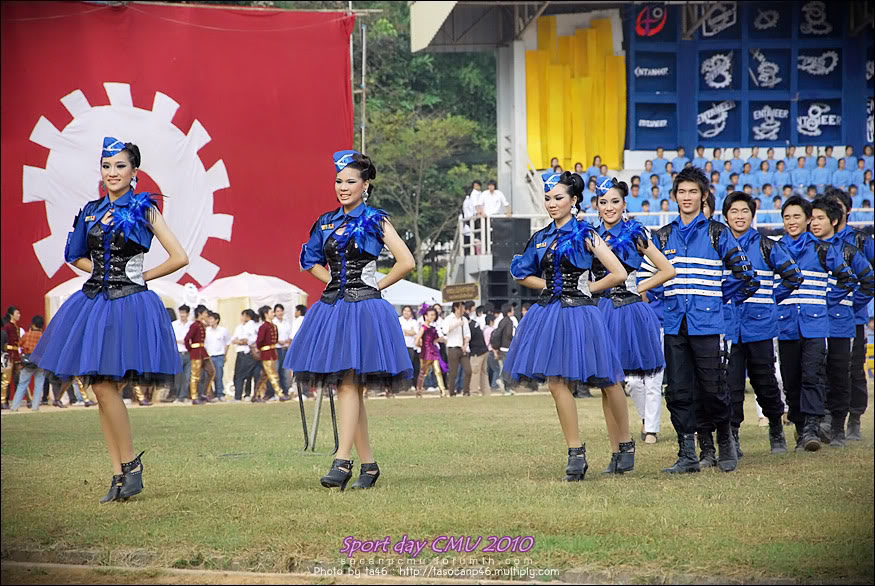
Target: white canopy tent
(408,293)
(171,294)
(248,291)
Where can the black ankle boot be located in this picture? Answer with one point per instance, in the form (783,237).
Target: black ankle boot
(824,429)
(612,467)
(132,484)
(626,457)
(707,452)
(577,465)
(339,475)
(366,479)
(114,489)
(810,440)
(777,442)
(798,432)
(727,458)
(837,433)
(853,433)
(738,451)
(687,461)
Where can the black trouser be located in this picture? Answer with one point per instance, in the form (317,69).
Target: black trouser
(758,359)
(414,358)
(838,378)
(244,372)
(803,366)
(859,392)
(696,380)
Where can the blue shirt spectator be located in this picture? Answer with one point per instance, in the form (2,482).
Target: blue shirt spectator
(763,177)
(665,182)
(633,202)
(755,162)
(773,164)
(717,160)
(656,193)
(790,158)
(841,178)
(820,177)
(660,161)
(726,173)
(782,178)
(858,178)
(831,162)
(737,162)
(867,162)
(680,161)
(850,158)
(593,170)
(719,192)
(810,159)
(800,178)
(699,160)
(646,173)
(749,179)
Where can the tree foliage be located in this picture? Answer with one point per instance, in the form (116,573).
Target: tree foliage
(430,124)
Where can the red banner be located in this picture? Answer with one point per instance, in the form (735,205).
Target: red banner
(236,113)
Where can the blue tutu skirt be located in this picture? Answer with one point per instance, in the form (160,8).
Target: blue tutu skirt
(363,337)
(568,342)
(100,339)
(635,333)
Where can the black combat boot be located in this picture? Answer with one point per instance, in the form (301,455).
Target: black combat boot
(853,434)
(837,433)
(727,459)
(777,441)
(809,438)
(687,461)
(738,451)
(707,453)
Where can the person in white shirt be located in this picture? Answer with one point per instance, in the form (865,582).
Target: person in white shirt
(458,335)
(300,312)
(409,327)
(472,201)
(493,200)
(284,336)
(216,344)
(180,329)
(246,367)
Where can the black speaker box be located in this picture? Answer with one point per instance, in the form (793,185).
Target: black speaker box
(509,237)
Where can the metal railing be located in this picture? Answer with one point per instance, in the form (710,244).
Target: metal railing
(476,232)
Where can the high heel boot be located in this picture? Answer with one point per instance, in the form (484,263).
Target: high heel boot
(339,475)
(577,466)
(114,489)
(132,483)
(626,457)
(367,476)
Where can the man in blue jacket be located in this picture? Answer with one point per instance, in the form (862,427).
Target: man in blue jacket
(859,393)
(754,354)
(803,323)
(827,214)
(700,249)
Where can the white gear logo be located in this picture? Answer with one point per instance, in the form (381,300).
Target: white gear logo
(170,158)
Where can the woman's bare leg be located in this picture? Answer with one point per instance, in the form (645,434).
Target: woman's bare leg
(619,408)
(349,401)
(566,408)
(362,438)
(115,422)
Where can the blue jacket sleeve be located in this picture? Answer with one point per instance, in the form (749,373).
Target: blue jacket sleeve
(312,252)
(862,269)
(786,269)
(742,283)
(77,240)
(845,280)
(526,264)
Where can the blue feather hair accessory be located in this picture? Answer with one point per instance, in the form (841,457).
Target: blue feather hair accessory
(369,222)
(125,218)
(575,239)
(632,235)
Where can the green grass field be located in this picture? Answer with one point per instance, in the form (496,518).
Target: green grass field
(227,487)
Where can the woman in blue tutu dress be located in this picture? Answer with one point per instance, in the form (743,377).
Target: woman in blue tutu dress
(115,330)
(351,337)
(563,337)
(633,324)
